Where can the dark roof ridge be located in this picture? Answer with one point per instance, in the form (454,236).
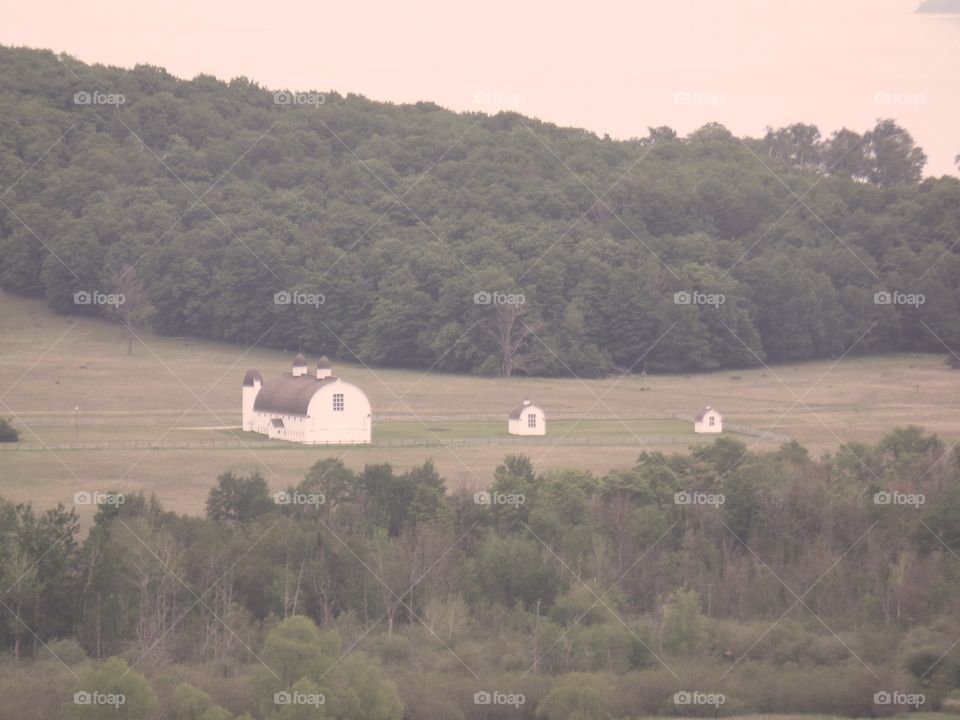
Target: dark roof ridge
(289,395)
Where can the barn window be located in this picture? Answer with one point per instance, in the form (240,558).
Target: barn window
(338,402)
(712,421)
(532,420)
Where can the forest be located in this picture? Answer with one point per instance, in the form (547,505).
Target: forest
(565,594)
(201,202)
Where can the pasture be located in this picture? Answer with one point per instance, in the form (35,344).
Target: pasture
(166,418)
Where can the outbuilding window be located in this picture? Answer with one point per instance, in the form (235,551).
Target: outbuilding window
(338,402)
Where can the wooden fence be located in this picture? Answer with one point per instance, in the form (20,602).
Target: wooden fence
(594,441)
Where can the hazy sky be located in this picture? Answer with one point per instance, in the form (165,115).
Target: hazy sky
(609,66)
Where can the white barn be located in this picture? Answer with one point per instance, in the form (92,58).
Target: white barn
(527,419)
(318,409)
(708,420)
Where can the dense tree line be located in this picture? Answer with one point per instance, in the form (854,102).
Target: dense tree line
(200,200)
(391,595)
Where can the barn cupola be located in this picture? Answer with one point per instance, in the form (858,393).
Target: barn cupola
(324,368)
(299,365)
(526,401)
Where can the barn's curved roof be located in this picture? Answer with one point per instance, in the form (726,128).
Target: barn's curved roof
(251,377)
(525,405)
(289,395)
(703,413)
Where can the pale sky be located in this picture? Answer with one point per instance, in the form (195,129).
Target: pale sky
(610,66)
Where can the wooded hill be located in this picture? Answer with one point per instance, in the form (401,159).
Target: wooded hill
(593,596)
(200,200)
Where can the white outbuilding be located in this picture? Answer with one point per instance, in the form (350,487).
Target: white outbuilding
(708,420)
(318,409)
(527,419)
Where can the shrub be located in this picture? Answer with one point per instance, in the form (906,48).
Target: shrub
(640,655)
(514,570)
(67,652)
(112,679)
(8,433)
(577,697)
(393,649)
(684,627)
(601,647)
(580,605)
(920,663)
(190,703)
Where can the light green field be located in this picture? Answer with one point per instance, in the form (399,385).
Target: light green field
(186,392)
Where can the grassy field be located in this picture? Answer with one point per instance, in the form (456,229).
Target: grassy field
(178,391)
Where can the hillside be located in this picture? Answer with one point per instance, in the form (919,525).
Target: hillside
(203,201)
(595,576)
(182,397)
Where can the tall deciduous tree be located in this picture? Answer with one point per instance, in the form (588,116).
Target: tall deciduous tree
(512,327)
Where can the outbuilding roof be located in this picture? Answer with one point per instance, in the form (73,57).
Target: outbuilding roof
(299,360)
(518,410)
(324,363)
(289,395)
(251,377)
(703,413)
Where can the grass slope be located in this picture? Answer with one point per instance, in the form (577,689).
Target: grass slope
(178,391)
